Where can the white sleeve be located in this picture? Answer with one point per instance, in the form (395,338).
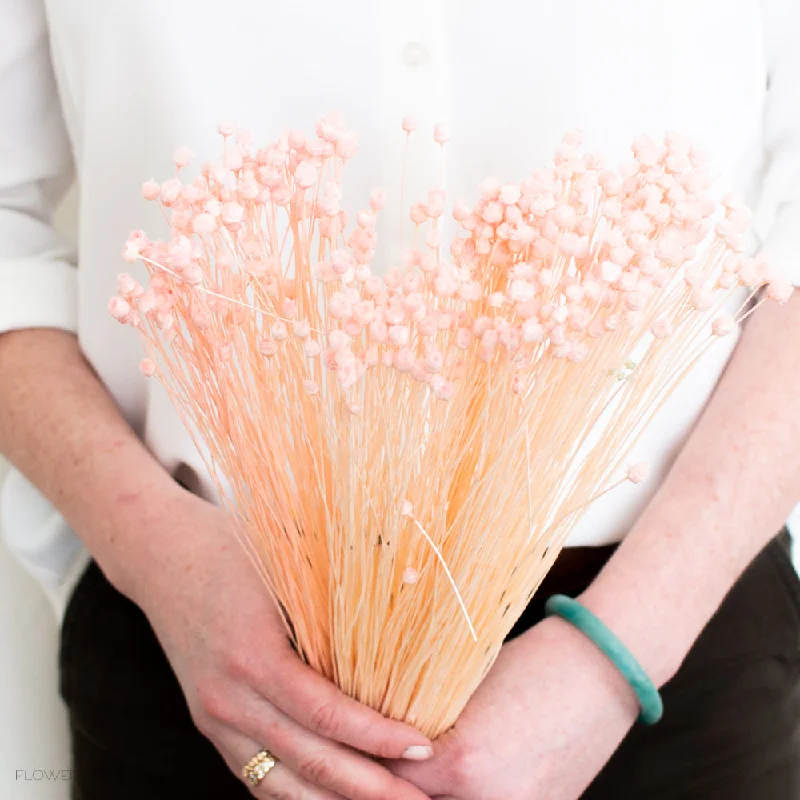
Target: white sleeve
(38,278)
(777,215)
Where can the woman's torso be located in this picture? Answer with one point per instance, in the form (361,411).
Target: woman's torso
(138,79)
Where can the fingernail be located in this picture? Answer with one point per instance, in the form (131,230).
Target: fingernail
(418,752)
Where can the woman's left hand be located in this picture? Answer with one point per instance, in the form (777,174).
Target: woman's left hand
(541,726)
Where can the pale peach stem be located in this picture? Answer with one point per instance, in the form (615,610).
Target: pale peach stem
(403,186)
(449,577)
(317,489)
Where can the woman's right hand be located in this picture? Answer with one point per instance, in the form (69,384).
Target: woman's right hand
(245,686)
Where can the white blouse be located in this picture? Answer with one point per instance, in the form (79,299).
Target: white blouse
(106,90)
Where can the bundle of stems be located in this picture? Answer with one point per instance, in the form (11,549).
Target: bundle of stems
(406,455)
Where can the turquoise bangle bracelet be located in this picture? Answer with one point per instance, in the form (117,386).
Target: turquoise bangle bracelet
(573,612)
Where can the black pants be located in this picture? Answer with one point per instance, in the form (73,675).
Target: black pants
(731,728)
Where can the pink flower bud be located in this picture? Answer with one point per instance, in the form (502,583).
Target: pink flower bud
(371,357)
(496,300)
(434,361)
(637,472)
(337,340)
(312,348)
(441,133)
(232,215)
(182,157)
(492,213)
(404,360)
(532,331)
(289,308)
(464,338)
(119,308)
(509,194)
(347,145)
(347,375)
(470,292)
(610,272)
(444,286)
(204,223)
(779,290)
(723,325)
(339,307)
(520,291)
(418,213)
(131,251)
(460,211)
(378,331)
(305,176)
(410,576)
(373,286)
(341,262)
(233,158)
(301,328)
(399,335)
(377,199)
(443,389)
(150,190)
(661,328)
(702,299)
(148,367)
(297,140)
(409,124)
(126,285)
(352,327)
(170,191)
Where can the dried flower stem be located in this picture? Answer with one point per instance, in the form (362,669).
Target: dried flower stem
(496,388)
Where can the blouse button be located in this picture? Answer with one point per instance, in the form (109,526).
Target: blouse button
(414,54)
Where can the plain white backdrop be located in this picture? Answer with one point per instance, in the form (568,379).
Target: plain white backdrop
(33,733)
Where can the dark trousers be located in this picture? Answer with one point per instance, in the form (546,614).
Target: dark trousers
(731,727)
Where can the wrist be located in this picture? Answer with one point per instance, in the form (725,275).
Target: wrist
(593,666)
(128,537)
(178,540)
(649,636)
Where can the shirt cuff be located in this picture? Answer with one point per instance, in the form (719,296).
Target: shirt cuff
(38,294)
(782,244)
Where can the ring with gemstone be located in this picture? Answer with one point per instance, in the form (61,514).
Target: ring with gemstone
(258,767)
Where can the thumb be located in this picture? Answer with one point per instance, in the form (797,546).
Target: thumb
(437,777)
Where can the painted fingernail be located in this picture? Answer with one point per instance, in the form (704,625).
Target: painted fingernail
(418,752)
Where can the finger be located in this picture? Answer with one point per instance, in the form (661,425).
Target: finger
(440,776)
(279,782)
(319,706)
(433,777)
(320,761)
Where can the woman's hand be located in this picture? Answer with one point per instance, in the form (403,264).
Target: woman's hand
(245,686)
(541,726)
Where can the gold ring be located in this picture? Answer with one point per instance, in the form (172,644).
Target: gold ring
(258,767)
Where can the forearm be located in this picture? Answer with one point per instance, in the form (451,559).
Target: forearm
(728,493)
(60,427)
